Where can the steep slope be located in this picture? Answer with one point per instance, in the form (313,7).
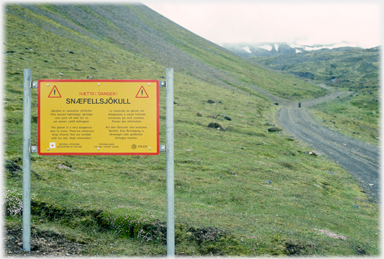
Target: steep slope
(147,34)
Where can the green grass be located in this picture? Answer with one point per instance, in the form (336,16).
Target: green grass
(356,116)
(220,176)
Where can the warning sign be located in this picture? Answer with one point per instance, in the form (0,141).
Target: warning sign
(142,93)
(98,117)
(54,93)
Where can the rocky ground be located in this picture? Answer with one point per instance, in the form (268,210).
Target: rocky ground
(42,244)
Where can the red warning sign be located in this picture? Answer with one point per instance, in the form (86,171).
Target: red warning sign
(54,93)
(142,93)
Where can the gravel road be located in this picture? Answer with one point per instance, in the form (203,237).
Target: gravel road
(358,158)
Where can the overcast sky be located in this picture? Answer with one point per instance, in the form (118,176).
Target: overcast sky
(356,22)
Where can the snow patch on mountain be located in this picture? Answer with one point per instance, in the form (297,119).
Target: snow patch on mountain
(341,45)
(267,47)
(294,46)
(246,48)
(313,48)
(298,51)
(276,47)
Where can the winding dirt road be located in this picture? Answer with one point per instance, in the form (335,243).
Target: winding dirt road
(358,158)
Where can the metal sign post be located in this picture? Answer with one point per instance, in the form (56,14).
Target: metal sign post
(170,165)
(27,160)
(61,114)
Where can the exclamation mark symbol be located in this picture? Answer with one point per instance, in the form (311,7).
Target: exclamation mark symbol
(142,93)
(54,93)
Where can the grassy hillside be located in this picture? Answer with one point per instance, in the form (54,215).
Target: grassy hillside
(356,116)
(242,191)
(356,70)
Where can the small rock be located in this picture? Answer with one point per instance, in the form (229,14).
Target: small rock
(313,152)
(356,206)
(89,77)
(114,61)
(324,121)
(268,181)
(67,254)
(274,129)
(360,118)
(61,74)
(227,118)
(330,172)
(216,126)
(211,101)
(199,114)
(371,184)
(189,150)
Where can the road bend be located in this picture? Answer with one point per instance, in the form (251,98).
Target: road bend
(358,158)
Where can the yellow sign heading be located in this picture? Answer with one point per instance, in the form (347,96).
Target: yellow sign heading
(98,117)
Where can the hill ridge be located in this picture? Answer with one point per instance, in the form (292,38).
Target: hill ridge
(164,42)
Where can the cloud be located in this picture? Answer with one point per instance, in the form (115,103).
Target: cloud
(234,22)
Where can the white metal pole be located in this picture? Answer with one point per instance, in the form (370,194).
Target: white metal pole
(170,165)
(27,160)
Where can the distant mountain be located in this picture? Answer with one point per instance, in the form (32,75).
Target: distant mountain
(270,49)
(354,68)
